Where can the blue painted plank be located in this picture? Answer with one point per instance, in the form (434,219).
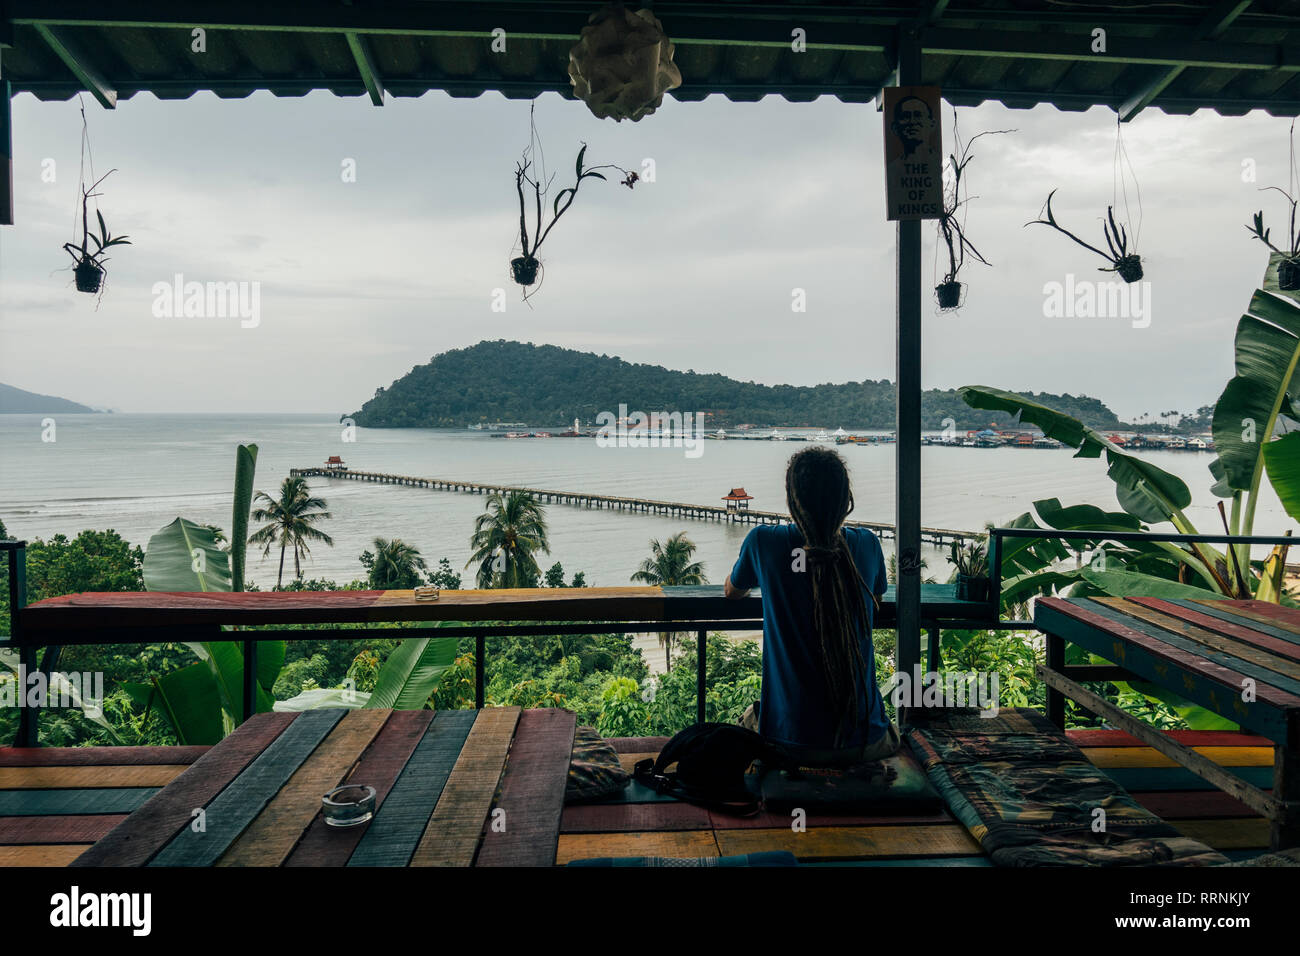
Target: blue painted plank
(1165,779)
(394,833)
(232,810)
(1209,610)
(48,803)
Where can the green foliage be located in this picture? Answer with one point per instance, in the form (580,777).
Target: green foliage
(482,383)
(507,538)
(290,522)
(394,565)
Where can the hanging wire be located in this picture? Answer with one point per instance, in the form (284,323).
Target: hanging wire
(1119,185)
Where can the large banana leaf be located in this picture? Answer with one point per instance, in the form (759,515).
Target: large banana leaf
(1148,493)
(245,467)
(189,699)
(412,672)
(1133,584)
(1270,283)
(185,556)
(1282,462)
(324,697)
(1245,417)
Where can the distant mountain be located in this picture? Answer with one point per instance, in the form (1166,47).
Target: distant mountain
(15,401)
(550,386)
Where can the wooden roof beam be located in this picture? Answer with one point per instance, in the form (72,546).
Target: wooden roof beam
(1218,19)
(370,74)
(75,59)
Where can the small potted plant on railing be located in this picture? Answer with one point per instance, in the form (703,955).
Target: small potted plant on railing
(524,267)
(972,570)
(1127,264)
(88,265)
(1288,265)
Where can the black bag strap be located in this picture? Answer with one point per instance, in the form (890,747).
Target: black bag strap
(668,784)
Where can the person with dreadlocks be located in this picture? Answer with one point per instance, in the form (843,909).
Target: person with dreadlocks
(820,583)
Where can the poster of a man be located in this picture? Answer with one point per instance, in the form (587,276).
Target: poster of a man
(913,153)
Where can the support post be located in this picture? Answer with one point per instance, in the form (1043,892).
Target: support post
(6,154)
(1284,833)
(907,463)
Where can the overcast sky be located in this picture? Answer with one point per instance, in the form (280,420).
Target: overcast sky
(360,281)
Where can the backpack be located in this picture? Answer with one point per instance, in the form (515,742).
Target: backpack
(711,759)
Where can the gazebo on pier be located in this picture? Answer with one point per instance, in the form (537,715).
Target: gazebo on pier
(335,463)
(737,499)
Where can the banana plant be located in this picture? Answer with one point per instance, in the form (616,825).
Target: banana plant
(1249,437)
(405,681)
(203,701)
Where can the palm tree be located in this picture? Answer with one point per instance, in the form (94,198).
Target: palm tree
(507,536)
(395,564)
(670,565)
(290,520)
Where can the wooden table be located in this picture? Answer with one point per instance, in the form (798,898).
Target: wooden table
(255,798)
(1239,659)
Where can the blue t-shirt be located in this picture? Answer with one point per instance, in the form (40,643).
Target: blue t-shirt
(793,710)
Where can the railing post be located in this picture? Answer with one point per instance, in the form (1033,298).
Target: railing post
(250,678)
(28,717)
(701,666)
(933,655)
(480,671)
(1055,662)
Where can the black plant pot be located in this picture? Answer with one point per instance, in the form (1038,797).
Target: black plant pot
(89,275)
(971,588)
(949,294)
(524,269)
(1129,268)
(1288,275)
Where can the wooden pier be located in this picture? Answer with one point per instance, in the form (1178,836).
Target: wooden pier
(938,537)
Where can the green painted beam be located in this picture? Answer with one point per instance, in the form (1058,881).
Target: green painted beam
(370,75)
(1216,21)
(76,60)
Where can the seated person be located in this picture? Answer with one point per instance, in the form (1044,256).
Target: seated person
(820,583)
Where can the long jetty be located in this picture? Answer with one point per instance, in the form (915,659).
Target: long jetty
(678,509)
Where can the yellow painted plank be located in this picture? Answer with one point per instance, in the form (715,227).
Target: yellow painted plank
(274,832)
(1240,834)
(848,843)
(452,834)
(1150,757)
(584,846)
(60,854)
(78,778)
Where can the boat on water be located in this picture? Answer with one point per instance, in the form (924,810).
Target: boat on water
(776,436)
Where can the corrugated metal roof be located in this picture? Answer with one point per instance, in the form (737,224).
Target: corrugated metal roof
(1226,55)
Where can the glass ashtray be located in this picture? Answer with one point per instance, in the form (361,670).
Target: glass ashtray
(349,805)
(426,594)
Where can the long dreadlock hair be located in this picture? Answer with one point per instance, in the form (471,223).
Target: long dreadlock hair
(818,493)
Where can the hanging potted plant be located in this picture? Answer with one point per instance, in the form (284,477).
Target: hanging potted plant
(88,263)
(951,228)
(528,176)
(972,571)
(1127,264)
(1288,258)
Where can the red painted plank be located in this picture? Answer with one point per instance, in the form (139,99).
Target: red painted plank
(150,827)
(97,756)
(1099,737)
(20,831)
(532,792)
(379,767)
(633,818)
(1184,659)
(1287,617)
(1193,805)
(1240,632)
